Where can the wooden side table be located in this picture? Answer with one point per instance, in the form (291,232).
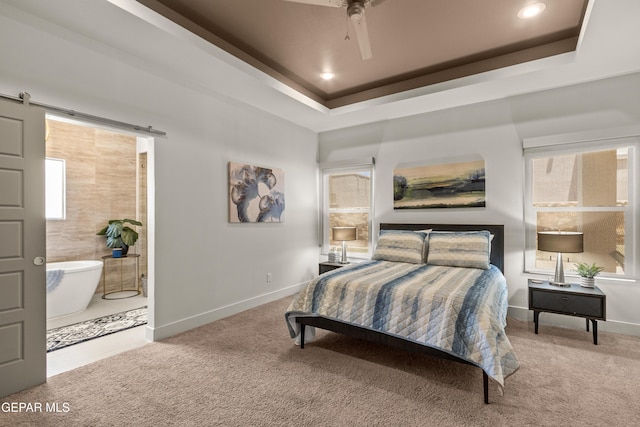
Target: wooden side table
(323,267)
(575,300)
(136,290)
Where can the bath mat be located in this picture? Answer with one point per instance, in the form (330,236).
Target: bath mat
(76,333)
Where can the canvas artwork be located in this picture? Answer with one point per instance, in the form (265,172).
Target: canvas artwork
(256,194)
(452,185)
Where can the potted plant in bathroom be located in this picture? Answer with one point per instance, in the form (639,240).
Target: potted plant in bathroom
(588,273)
(120,235)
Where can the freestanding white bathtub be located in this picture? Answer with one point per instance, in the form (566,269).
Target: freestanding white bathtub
(74,291)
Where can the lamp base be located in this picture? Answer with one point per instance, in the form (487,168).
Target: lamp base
(343,259)
(561,284)
(558,278)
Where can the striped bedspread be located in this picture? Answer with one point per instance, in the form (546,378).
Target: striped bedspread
(459,310)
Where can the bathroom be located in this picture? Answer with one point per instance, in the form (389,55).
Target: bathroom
(94,175)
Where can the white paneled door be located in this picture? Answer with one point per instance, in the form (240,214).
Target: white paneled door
(23,362)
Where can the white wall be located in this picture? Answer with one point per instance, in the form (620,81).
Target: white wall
(205,267)
(494,132)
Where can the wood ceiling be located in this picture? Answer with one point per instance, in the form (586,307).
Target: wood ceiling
(415,43)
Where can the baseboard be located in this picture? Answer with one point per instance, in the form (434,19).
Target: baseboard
(526,315)
(183,325)
(518,313)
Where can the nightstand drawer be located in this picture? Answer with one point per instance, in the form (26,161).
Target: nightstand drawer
(577,305)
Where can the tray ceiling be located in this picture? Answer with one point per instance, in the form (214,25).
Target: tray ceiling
(414,43)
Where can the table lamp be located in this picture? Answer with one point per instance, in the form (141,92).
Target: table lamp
(560,242)
(344,234)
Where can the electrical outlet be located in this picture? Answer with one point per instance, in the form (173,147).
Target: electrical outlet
(268,277)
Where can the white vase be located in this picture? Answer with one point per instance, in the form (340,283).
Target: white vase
(587,282)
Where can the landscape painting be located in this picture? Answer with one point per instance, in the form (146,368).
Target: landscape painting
(452,185)
(256,194)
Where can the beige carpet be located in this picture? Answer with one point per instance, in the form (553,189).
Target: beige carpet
(245,371)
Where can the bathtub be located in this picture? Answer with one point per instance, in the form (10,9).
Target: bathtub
(73,292)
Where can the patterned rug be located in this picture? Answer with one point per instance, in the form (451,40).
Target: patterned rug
(76,333)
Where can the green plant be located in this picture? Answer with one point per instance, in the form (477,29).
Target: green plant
(119,234)
(586,270)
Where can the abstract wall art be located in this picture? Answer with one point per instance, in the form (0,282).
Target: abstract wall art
(452,185)
(256,194)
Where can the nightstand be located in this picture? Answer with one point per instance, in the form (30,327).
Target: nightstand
(574,300)
(328,266)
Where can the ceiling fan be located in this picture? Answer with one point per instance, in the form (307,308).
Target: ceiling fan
(355,12)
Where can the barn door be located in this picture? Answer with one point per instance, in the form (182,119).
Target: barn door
(23,362)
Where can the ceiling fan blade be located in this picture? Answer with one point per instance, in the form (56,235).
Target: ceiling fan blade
(330,3)
(360,24)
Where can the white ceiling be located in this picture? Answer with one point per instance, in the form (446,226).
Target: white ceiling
(609,46)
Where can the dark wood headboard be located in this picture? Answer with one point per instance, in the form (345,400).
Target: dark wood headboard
(497,244)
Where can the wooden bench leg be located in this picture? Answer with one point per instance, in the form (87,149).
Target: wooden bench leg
(301,335)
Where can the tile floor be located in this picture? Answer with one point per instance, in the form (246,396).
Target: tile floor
(84,353)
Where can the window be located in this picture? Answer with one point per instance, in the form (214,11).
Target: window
(55,192)
(587,187)
(347,202)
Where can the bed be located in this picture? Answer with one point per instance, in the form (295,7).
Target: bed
(437,289)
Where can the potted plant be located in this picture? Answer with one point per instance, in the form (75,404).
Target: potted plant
(588,273)
(120,235)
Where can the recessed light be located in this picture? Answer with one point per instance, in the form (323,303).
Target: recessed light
(531,10)
(328,75)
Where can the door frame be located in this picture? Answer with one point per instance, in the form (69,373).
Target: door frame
(147,142)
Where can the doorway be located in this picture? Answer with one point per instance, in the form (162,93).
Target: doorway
(106,178)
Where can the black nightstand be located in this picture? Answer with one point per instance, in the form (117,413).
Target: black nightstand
(574,300)
(328,266)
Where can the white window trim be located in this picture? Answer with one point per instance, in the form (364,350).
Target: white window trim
(587,141)
(343,167)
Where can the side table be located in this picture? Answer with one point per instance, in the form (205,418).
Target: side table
(136,290)
(575,300)
(323,267)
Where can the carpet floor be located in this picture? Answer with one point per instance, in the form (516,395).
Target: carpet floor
(244,370)
(76,333)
